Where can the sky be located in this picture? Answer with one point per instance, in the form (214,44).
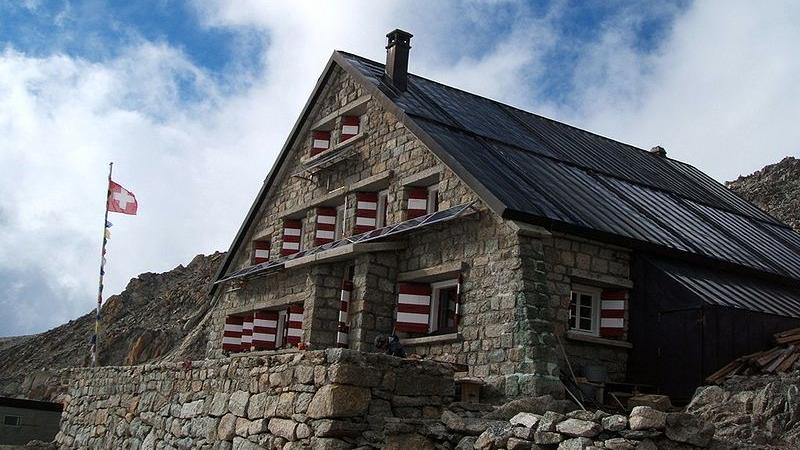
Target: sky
(193,100)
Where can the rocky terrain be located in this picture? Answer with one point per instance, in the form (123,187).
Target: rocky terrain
(157,316)
(775,189)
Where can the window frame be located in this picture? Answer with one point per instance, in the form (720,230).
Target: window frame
(7,416)
(433,317)
(432,204)
(338,228)
(381,213)
(594,293)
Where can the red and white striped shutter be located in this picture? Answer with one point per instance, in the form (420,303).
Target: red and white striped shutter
(292,230)
(260,251)
(320,141)
(350,127)
(413,307)
(294,327)
(326,226)
(247,333)
(366,212)
(232,334)
(265,330)
(344,306)
(612,312)
(417,203)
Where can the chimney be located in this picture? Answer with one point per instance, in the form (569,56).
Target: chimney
(658,151)
(397,58)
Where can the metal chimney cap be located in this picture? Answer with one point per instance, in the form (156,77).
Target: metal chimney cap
(398,36)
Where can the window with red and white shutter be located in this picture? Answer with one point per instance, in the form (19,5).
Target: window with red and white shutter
(417,203)
(265,330)
(413,307)
(325,230)
(344,306)
(294,325)
(292,234)
(247,332)
(350,127)
(232,334)
(260,251)
(613,303)
(320,141)
(366,212)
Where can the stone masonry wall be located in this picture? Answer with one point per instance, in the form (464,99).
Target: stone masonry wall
(570,260)
(387,146)
(332,399)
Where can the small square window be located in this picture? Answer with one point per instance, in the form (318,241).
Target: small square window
(584,310)
(382,213)
(444,298)
(12,421)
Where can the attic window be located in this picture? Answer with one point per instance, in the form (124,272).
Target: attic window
(351,126)
(320,141)
(261,249)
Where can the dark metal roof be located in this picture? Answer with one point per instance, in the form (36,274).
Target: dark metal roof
(719,288)
(546,171)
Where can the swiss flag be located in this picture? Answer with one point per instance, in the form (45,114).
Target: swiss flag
(121,200)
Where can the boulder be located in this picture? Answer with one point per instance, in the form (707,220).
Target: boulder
(466,443)
(518,444)
(238,403)
(335,400)
(523,432)
(547,437)
(616,422)
(578,443)
(227,427)
(549,421)
(619,444)
(645,418)
(525,419)
(495,436)
(581,414)
(659,402)
(579,428)
(683,427)
(706,395)
(284,428)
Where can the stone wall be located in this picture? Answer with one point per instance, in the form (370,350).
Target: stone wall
(571,260)
(326,399)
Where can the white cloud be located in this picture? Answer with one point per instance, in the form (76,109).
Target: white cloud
(720,92)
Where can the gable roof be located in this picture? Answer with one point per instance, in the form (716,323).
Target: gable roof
(571,180)
(567,179)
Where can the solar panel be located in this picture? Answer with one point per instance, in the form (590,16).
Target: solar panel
(380,233)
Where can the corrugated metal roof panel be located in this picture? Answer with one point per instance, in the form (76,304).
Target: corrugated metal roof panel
(729,290)
(544,168)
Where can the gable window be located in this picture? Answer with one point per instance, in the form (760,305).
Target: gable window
(320,141)
(584,310)
(292,236)
(13,421)
(350,127)
(433,199)
(260,251)
(444,298)
(383,210)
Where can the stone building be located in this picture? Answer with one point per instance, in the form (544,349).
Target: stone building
(495,238)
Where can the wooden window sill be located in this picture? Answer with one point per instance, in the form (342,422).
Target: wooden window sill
(437,339)
(581,337)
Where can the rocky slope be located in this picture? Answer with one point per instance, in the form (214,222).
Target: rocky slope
(156,316)
(775,188)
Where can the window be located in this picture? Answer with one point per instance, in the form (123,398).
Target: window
(433,199)
(260,251)
(339,230)
(383,210)
(444,298)
(13,421)
(584,310)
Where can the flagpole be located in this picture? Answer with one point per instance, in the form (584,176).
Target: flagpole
(102,270)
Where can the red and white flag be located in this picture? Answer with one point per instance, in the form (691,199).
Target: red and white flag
(121,200)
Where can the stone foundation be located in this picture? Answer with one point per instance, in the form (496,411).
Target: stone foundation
(334,398)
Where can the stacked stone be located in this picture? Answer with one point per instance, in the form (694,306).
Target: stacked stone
(330,399)
(644,429)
